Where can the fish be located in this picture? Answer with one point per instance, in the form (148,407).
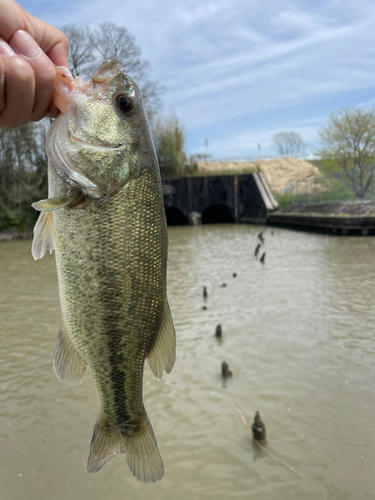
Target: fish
(104,218)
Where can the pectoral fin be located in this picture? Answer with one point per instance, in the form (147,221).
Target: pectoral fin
(55,203)
(43,236)
(163,354)
(67,363)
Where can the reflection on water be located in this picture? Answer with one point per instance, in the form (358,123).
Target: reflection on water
(297,334)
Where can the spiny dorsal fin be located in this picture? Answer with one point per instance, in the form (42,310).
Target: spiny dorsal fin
(163,354)
(67,363)
(43,236)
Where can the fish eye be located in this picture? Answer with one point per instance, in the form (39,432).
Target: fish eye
(124,103)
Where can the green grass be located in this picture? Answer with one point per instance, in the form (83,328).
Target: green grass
(326,166)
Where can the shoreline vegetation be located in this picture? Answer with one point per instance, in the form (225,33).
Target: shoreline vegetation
(13,234)
(279,173)
(345,172)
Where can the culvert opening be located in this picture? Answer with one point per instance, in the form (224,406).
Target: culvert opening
(216,214)
(175,217)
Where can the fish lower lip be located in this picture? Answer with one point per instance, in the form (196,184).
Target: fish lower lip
(106,145)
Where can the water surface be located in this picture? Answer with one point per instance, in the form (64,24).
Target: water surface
(298,336)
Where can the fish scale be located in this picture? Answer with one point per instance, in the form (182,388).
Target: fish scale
(122,305)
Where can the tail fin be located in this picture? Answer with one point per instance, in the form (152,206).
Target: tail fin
(141,450)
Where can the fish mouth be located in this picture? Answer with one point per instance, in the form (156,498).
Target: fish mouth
(98,144)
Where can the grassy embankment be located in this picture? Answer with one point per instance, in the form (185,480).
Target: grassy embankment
(331,186)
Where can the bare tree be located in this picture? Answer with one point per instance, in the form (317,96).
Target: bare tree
(88,48)
(288,144)
(349,139)
(81,50)
(112,40)
(151,95)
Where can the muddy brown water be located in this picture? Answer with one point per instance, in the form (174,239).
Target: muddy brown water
(298,334)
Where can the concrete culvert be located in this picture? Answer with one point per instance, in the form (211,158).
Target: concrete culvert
(216,214)
(175,217)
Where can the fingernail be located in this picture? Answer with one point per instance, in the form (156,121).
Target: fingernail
(25,45)
(5,49)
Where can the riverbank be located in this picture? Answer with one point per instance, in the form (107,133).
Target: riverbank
(14,235)
(343,209)
(344,218)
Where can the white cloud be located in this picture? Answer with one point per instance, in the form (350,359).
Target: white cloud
(227,60)
(242,142)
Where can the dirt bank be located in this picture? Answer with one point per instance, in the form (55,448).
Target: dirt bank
(279,173)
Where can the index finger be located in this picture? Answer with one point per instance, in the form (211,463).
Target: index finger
(52,41)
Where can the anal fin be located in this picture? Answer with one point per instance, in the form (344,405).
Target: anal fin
(43,236)
(67,363)
(163,354)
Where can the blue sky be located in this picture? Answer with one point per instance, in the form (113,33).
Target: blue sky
(237,72)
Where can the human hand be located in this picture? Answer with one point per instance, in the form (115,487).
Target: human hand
(29,50)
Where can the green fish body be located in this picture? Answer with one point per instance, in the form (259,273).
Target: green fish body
(105,219)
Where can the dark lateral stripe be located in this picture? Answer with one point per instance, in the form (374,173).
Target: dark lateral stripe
(117,377)
(112,320)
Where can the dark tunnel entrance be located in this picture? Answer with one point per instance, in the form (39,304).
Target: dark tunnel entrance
(175,217)
(215,214)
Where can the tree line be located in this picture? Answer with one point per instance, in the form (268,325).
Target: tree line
(23,174)
(23,163)
(348,139)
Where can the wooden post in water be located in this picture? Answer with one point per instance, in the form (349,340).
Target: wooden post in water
(235,188)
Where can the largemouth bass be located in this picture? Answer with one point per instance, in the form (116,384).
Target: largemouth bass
(105,220)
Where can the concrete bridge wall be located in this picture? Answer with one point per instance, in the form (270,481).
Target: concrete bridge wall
(224,198)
